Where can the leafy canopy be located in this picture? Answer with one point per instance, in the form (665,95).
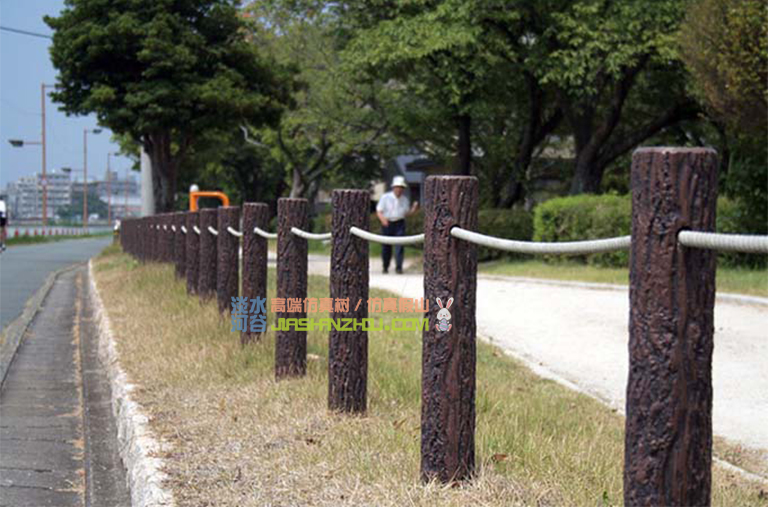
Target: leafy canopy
(158,65)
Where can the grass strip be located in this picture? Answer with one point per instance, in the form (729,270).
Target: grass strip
(237,437)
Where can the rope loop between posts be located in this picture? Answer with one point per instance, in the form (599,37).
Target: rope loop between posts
(173,228)
(195,228)
(213,231)
(744,243)
(233,232)
(387,240)
(183,229)
(532,247)
(309,235)
(264,234)
(165,227)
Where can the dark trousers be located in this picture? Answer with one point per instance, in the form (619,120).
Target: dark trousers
(393,229)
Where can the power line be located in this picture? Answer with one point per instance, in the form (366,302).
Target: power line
(24,32)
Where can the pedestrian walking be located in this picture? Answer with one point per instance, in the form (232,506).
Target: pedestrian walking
(392,209)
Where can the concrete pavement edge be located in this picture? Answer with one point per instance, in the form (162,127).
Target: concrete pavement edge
(15,331)
(138,446)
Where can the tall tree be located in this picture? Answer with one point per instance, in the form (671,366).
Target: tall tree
(335,122)
(164,72)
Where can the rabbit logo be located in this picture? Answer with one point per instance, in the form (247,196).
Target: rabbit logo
(443,316)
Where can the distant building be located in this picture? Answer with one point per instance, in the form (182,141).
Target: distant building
(25,196)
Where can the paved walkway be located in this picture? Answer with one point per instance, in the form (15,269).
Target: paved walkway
(578,335)
(23,268)
(57,435)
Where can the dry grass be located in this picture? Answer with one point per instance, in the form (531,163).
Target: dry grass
(239,438)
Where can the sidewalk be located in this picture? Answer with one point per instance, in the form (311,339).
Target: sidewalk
(57,435)
(578,335)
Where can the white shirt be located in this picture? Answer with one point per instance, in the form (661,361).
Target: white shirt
(2,207)
(393,208)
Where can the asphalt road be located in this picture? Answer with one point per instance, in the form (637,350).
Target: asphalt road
(23,269)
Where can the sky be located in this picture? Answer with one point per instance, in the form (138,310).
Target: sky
(25,64)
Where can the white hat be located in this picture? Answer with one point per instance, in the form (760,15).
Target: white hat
(398,181)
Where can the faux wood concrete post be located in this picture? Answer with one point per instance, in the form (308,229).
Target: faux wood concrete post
(348,350)
(167,236)
(668,436)
(254,258)
(156,245)
(180,246)
(192,249)
(291,345)
(448,357)
(228,265)
(206,282)
(170,238)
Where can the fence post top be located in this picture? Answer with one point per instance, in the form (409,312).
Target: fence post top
(450,177)
(292,199)
(254,205)
(351,191)
(674,149)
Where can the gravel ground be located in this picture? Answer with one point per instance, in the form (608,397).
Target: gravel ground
(577,334)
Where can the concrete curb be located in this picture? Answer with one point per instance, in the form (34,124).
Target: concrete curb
(138,446)
(14,332)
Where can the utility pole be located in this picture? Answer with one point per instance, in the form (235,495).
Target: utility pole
(45,176)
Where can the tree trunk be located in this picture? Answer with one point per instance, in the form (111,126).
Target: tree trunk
(297,184)
(164,164)
(464,160)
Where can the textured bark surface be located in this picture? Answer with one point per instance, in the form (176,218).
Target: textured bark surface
(228,264)
(170,239)
(206,276)
(291,346)
(180,248)
(668,435)
(448,358)
(348,350)
(168,235)
(254,258)
(192,249)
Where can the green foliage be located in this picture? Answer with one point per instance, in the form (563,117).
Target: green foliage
(504,223)
(586,216)
(583,217)
(724,44)
(733,217)
(164,72)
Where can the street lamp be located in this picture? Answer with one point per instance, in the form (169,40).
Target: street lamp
(86,131)
(18,143)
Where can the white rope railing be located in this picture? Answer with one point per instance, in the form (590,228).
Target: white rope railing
(309,235)
(387,240)
(264,234)
(197,231)
(532,247)
(213,231)
(235,233)
(725,242)
(183,229)
(165,227)
(173,228)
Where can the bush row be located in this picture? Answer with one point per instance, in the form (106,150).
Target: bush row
(575,218)
(582,217)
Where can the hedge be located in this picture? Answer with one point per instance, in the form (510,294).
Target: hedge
(587,216)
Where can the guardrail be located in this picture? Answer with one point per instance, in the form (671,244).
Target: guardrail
(668,432)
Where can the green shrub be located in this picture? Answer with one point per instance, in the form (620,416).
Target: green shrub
(733,217)
(582,217)
(503,223)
